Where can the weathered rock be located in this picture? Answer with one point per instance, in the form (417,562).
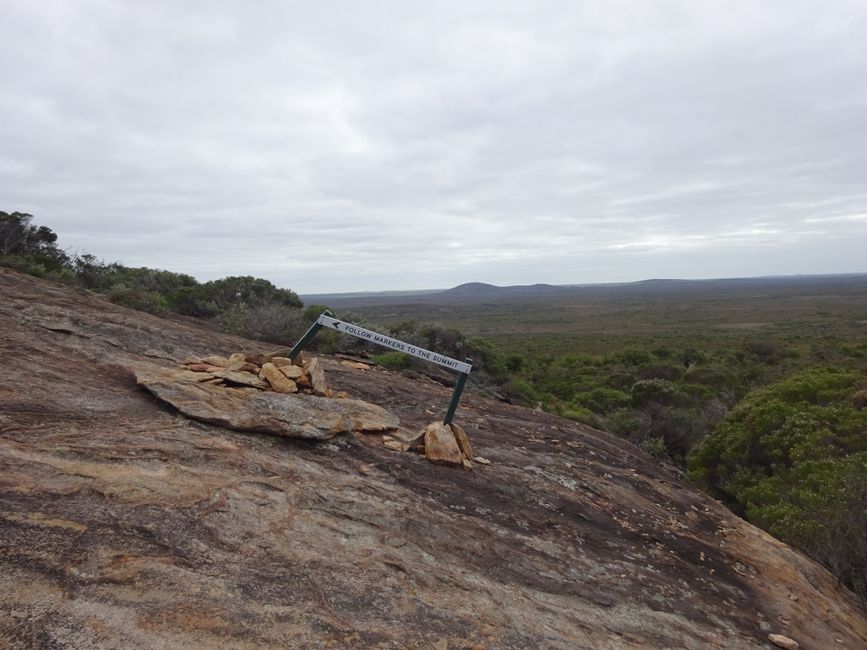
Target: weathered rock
(396,445)
(190,375)
(190,360)
(291,372)
(440,445)
(201,367)
(783,642)
(238,363)
(216,360)
(317,377)
(285,415)
(243,378)
(481,461)
(355,365)
(463,441)
(303,380)
(124,524)
(256,359)
(279,382)
(281,361)
(467,464)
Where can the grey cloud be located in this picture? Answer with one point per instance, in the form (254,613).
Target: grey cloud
(406,146)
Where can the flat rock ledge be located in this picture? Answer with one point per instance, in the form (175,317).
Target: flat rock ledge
(291,415)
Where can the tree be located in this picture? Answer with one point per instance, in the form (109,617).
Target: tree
(27,246)
(792,458)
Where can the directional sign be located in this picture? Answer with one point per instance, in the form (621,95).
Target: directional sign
(394,344)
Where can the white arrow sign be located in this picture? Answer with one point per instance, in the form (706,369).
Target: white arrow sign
(394,344)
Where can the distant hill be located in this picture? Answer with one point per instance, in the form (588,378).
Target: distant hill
(482,291)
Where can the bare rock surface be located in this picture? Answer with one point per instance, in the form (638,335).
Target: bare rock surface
(298,416)
(124,524)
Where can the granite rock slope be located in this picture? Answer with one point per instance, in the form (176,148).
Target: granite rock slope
(125,524)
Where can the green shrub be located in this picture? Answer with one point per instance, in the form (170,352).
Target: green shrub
(148,301)
(394,360)
(792,457)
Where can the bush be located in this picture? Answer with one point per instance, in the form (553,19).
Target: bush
(394,360)
(792,458)
(148,301)
(273,323)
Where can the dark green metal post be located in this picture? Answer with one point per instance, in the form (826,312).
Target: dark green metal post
(456,396)
(308,335)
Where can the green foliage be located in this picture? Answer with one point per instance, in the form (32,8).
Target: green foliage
(792,457)
(27,247)
(149,301)
(394,360)
(243,305)
(272,322)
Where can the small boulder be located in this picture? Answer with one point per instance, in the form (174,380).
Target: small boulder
(355,365)
(238,362)
(242,378)
(317,378)
(396,445)
(279,382)
(216,360)
(463,441)
(290,371)
(783,642)
(200,367)
(281,361)
(440,445)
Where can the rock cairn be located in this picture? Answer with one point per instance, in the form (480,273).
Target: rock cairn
(262,372)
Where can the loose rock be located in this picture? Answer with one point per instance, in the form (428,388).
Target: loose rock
(291,372)
(317,378)
(783,642)
(243,378)
(440,445)
(463,441)
(279,382)
(356,365)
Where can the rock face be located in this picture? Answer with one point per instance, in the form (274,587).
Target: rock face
(286,415)
(124,524)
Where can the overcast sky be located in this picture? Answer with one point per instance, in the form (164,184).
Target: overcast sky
(348,146)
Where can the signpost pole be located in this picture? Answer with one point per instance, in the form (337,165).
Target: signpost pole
(308,335)
(456,396)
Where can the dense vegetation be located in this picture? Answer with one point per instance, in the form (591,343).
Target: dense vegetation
(245,305)
(760,393)
(792,458)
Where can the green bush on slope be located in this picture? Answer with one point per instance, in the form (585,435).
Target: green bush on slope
(792,458)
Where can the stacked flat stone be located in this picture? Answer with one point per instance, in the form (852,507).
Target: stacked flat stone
(262,372)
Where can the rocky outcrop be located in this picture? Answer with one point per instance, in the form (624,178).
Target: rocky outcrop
(297,416)
(124,524)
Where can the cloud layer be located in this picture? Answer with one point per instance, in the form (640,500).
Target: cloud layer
(338,146)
